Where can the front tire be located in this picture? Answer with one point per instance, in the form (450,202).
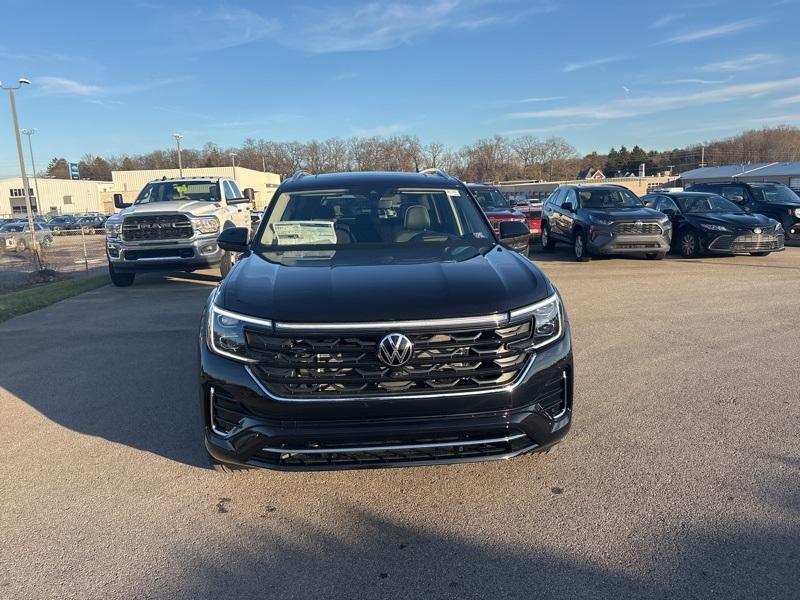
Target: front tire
(545,242)
(759,254)
(579,247)
(22,246)
(689,245)
(655,255)
(226,468)
(120,279)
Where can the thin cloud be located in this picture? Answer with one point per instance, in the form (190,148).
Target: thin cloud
(665,20)
(379,26)
(540,99)
(644,105)
(549,129)
(776,119)
(60,86)
(691,81)
(788,100)
(722,30)
(595,62)
(742,63)
(380,130)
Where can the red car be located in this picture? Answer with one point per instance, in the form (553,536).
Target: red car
(497,208)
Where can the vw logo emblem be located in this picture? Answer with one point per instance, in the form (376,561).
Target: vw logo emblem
(757,230)
(395,350)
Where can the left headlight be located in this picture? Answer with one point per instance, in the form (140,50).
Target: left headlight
(601,221)
(205,224)
(226,333)
(113,229)
(547,321)
(797,212)
(712,227)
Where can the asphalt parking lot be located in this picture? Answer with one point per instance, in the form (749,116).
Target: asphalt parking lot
(679,479)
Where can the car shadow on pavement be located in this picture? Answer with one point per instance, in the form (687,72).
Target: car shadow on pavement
(116,363)
(349,551)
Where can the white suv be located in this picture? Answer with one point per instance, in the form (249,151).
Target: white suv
(173,226)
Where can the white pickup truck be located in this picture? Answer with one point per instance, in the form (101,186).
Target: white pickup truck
(173,226)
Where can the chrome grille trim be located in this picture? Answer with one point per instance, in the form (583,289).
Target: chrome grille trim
(416,325)
(646,228)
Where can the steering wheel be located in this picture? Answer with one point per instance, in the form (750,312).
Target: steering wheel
(420,237)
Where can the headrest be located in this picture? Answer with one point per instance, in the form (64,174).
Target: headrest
(417,218)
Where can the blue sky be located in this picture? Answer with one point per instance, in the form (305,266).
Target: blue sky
(120,77)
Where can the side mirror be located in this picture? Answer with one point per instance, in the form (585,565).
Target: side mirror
(568,206)
(249,193)
(119,202)
(739,199)
(669,211)
(233,239)
(513,229)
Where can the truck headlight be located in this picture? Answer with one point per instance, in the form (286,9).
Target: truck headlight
(113,230)
(226,333)
(712,227)
(547,321)
(797,212)
(205,224)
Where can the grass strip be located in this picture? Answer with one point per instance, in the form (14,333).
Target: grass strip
(13,304)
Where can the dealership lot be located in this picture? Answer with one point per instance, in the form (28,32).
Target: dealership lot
(679,478)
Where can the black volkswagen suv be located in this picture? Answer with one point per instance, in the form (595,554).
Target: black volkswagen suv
(603,219)
(376,320)
(773,200)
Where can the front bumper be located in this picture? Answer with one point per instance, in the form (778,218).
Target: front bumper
(605,241)
(245,424)
(792,230)
(198,252)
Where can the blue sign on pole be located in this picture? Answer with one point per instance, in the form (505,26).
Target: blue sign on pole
(73,171)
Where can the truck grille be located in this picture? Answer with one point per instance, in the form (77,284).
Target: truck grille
(156,227)
(322,365)
(638,229)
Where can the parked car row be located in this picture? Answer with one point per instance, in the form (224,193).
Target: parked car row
(90,224)
(604,219)
(15,236)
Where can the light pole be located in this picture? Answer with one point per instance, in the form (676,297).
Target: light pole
(29,133)
(233,164)
(178,137)
(25,183)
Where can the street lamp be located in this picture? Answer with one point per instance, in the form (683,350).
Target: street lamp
(233,156)
(29,133)
(25,183)
(178,137)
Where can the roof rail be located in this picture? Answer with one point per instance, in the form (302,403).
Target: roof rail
(435,171)
(298,174)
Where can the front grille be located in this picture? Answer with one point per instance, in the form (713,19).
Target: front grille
(159,253)
(388,452)
(757,243)
(292,365)
(631,246)
(156,227)
(637,229)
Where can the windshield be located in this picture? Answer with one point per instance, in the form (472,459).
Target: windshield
(608,199)
(491,199)
(360,216)
(707,203)
(179,191)
(775,193)
(11,227)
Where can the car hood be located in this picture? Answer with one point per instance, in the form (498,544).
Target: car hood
(384,285)
(195,207)
(738,220)
(625,214)
(503,213)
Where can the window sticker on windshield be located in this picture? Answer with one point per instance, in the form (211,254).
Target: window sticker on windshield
(296,233)
(181,189)
(453,193)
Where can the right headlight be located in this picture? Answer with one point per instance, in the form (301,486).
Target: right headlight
(797,212)
(113,230)
(547,321)
(226,333)
(205,224)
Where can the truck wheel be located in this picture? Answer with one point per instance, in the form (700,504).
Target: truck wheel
(120,279)
(759,254)
(546,243)
(227,468)
(226,263)
(579,248)
(22,245)
(655,255)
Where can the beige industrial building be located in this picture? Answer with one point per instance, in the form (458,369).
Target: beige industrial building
(58,196)
(542,189)
(130,183)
